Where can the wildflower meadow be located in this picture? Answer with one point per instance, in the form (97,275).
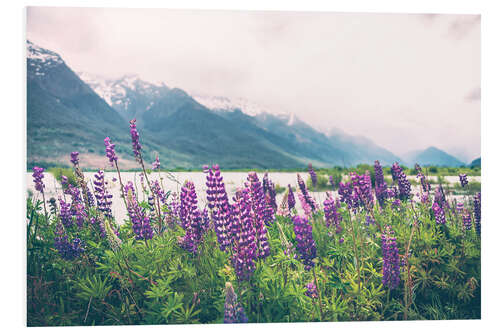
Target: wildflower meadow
(377,248)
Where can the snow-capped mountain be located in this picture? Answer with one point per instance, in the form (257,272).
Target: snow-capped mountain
(40,59)
(66,110)
(128,94)
(220,103)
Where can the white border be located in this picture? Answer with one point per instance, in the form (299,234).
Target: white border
(14,137)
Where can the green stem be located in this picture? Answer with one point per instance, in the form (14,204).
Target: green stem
(320,303)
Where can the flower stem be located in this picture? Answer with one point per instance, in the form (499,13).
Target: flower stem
(320,303)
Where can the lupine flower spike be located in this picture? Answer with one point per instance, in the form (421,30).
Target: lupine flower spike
(477,213)
(313,175)
(233,311)
(134,134)
(218,205)
(463,179)
(391,268)
(156,163)
(380,185)
(110,151)
(74,158)
(291,198)
(38,179)
(404,186)
(306,246)
(191,218)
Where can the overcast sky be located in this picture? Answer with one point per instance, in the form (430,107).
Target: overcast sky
(405,81)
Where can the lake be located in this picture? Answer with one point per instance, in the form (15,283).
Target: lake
(233,180)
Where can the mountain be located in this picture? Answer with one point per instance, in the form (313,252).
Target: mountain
(64,114)
(362,149)
(431,156)
(129,95)
(68,112)
(220,103)
(476,163)
(297,137)
(215,128)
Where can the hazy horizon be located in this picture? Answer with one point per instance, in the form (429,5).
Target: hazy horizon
(405,81)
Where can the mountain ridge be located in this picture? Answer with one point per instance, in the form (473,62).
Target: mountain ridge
(69,111)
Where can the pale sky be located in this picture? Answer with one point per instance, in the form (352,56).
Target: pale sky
(405,81)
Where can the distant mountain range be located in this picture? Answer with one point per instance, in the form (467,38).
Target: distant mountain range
(69,111)
(431,156)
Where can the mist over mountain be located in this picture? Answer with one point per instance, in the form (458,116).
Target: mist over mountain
(69,111)
(431,156)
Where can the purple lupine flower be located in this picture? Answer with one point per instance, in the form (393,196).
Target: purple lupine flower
(440,198)
(233,311)
(65,213)
(307,197)
(438,213)
(244,235)
(391,267)
(141,224)
(103,197)
(460,207)
(362,188)
(291,198)
(380,185)
(369,220)
(396,203)
(68,250)
(341,240)
(91,198)
(404,186)
(134,134)
(426,187)
(74,192)
(392,192)
(173,212)
(347,195)
(424,198)
(466,219)
(156,164)
(311,291)
(259,203)
(205,225)
(332,216)
(100,225)
(110,151)
(206,168)
(463,179)
(191,219)
(37,178)
(158,191)
(269,210)
(218,204)
(269,190)
(265,183)
(74,158)
(260,217)
(306,246)
(332,182)
(78,211)
(477,213)
(312,174)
